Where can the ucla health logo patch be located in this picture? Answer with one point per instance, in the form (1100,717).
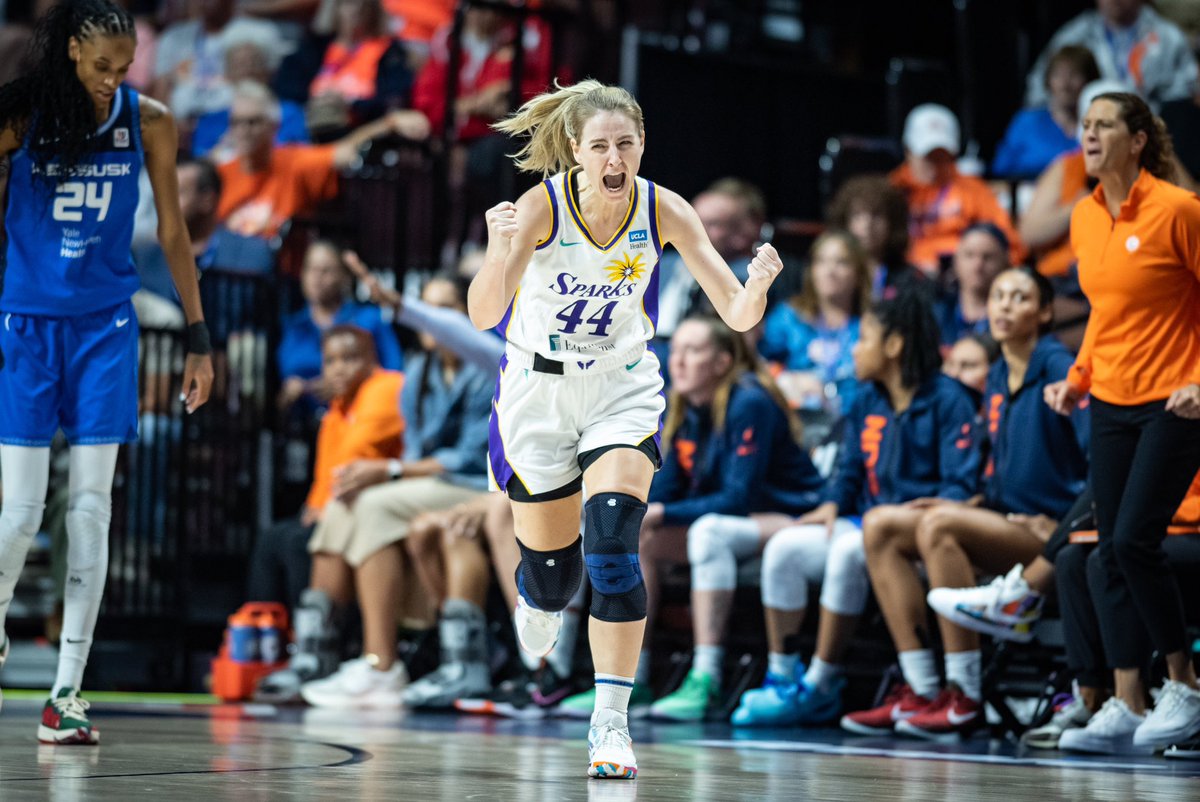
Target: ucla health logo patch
(638,236)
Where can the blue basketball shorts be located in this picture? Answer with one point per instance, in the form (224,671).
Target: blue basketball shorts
(79,373)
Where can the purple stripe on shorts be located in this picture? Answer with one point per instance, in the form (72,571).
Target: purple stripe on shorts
(502,472)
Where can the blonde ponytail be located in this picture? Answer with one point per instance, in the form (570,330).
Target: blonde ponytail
(551,120)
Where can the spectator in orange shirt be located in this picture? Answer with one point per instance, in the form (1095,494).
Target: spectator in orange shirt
(418,20)
(362,72)
(1137,239)
(364,424)
(941,202)
(266,185)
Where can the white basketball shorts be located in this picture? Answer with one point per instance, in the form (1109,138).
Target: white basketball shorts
(542,422)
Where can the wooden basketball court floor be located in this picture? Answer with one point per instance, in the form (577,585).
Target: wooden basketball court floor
(172,752)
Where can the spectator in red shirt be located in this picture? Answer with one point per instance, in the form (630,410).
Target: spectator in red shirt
(484,86)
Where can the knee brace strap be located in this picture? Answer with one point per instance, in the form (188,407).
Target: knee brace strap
(610,544)
(548,579)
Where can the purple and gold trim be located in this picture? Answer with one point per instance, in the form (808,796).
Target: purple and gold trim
(548,185)
(577,216)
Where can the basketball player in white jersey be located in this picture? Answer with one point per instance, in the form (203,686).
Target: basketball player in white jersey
(571,278)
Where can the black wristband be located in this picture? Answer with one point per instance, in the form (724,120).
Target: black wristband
(197,339)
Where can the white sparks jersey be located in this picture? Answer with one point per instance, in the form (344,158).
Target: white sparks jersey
(580,298)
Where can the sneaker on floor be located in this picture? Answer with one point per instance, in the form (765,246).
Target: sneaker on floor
(900,703)
(526,697)
(537,631)
(1069,713)
(610,749)
(1006,609)
(1175,717)
(65,721)
(781,703)
(357,684)
(1110,732)
(691,701)
(951,717)
(283,686)
(583,704)
(450,681)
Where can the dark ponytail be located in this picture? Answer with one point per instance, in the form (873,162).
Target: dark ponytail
(47,105)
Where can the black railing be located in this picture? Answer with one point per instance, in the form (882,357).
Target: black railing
(192,494)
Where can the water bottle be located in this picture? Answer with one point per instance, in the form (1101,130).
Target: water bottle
(243,638)
(271,620)
(270,642)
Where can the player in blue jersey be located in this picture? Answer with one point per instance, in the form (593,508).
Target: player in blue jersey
(571,277)
(76,139)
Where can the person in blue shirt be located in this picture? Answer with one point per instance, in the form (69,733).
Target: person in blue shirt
(1037,136)
(325,285)
(981,254)
(1037,467)
(246,61)
(76,138)
(755,462)
(811,334)
(909,435)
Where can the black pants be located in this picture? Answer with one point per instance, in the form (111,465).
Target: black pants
(1143,461)
(1080,578)
(280,564)
(1081,516)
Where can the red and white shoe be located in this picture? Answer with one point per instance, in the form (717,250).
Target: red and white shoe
(900,704)
(948,719)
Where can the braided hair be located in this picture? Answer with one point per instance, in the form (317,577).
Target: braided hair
(48,106)
(910,315)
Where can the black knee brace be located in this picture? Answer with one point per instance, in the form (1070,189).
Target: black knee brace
(610,545)
(548,579)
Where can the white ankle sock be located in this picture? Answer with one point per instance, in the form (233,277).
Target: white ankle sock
(612,693)
(782,665)
(920,671)
(707,660)
(821,675)
(964,669)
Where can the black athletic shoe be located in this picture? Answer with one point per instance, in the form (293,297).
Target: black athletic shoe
(526,696)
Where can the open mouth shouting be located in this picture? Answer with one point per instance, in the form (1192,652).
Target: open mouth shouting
(614,183)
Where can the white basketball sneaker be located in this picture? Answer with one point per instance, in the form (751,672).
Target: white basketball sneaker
(610,749)
(1175,717)
(537,631)
(358,684)
(1006,609)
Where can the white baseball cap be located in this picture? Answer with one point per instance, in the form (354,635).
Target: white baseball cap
(929,127)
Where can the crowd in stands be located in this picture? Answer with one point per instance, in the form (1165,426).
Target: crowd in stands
(883,434)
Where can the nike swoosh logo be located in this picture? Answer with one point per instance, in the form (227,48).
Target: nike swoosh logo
(122,321)
(76,641)
(634,365)
(566,244)
(957,719)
